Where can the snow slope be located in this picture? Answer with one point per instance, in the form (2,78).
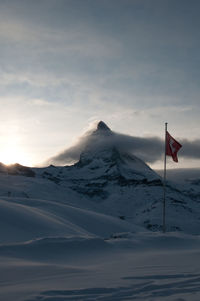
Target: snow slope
(22,219)
(144,266)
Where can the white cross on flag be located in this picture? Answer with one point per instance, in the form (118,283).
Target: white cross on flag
(172,147)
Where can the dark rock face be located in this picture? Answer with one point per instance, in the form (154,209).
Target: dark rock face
(17,169)
(102,126)
(21,170)
(49,176)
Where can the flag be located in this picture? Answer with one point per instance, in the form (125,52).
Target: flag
(172,147)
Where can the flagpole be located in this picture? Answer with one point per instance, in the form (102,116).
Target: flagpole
(164,181)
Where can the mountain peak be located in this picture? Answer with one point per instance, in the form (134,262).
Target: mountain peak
(102,126)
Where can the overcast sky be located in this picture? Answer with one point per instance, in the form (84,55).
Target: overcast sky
(64,63)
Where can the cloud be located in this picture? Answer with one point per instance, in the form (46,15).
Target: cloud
(149,149)
(190,149)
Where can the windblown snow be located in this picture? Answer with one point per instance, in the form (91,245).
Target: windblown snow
(93,230)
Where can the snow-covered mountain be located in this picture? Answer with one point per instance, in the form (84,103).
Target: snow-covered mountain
(108,181)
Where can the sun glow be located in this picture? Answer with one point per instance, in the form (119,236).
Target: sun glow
(10,156)
(11,152)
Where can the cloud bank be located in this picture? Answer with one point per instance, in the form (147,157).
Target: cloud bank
(149,149)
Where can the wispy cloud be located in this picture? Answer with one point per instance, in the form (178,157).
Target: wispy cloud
(149,149)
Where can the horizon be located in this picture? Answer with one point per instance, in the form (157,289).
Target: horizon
(142,148)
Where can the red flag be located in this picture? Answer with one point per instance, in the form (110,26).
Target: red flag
(172,147)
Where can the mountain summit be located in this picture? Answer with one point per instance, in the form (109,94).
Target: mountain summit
(101,126)
(102,130)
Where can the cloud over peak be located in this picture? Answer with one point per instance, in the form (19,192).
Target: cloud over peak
(149,149)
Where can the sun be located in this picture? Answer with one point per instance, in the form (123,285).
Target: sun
(12,153)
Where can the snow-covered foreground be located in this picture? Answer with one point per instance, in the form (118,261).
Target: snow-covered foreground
(99,270)
(54,251)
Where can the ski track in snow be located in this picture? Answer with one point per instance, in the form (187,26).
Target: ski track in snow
(149,288)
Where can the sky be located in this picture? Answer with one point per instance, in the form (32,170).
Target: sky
(64,64)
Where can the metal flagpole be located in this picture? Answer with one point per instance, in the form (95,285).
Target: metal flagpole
(164,181)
